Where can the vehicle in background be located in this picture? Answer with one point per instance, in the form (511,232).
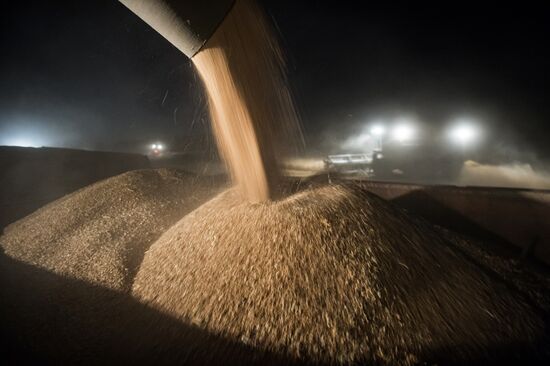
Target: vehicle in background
(360,164)
(156,150)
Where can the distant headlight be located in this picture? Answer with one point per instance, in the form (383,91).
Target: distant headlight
(464,134)
(403,132)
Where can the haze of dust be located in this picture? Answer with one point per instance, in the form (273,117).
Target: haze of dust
(510,175)
(253,115)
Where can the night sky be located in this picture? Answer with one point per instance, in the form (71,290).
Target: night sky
(90,74)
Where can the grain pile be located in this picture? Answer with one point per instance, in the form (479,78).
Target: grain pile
(253,115)
(333,274)
(529,278)
(100,233)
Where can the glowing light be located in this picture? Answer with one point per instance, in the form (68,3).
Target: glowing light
(157,146)
(464,133)
(23,139)
(403,132)
(28,131)
(378,130)
(23,142)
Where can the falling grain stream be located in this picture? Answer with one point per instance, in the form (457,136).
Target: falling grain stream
(253,115)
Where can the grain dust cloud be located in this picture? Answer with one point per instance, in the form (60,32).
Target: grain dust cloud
(516,175)
(253,115)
